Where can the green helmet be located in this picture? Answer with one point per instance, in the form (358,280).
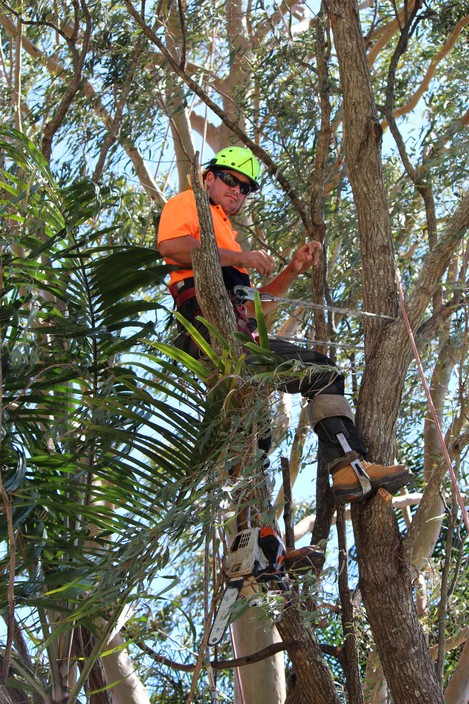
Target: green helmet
(238,159)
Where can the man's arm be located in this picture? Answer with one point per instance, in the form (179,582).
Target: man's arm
(306,256)
(179,249)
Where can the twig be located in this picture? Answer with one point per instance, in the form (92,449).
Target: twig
(11,533)
(443,603)
(287,509)
(446,454)
(351,665)
(233,125)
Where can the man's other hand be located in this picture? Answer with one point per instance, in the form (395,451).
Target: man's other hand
(306,256)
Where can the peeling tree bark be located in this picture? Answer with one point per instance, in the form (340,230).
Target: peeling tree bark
(384,574)
(211,292)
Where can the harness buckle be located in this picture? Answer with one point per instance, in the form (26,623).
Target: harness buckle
(243,293)
(247,293)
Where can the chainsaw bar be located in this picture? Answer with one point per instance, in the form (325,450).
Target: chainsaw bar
(223,614)
(255,554)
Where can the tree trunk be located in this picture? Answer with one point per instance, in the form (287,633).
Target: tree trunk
(428,536)
(375,687)
(312,676)
(263,682)
(211,292)
(384,577)
(385,583)
(457,691)
(175,99)
(121,674)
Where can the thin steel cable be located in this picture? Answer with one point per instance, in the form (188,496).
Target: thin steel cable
(248,294)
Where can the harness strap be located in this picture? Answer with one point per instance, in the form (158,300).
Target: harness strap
(183,290)
(183,296)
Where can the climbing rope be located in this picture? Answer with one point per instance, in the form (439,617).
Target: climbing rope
(449,464)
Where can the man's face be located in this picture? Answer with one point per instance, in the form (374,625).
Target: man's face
(229,197)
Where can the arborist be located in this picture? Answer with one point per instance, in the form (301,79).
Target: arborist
(229,178)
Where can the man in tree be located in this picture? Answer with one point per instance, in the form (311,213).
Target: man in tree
(229,178)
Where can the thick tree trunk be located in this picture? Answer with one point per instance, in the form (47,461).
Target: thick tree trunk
(312,676)
(363,134)
(264,681)
(384,578)
(385,584)
(114,671)
(121,674)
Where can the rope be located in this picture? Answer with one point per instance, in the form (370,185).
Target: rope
(431,405)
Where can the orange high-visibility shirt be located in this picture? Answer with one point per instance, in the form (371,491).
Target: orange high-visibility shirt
(179,219)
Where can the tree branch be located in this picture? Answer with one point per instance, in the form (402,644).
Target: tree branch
(411,104)
(457,690)
(73,86)
(232,125)
(211,291)
(430,493)
(350,648)
(436,263)
(143,174)
(216,664)
(115,126)
(318,185)
(381,36)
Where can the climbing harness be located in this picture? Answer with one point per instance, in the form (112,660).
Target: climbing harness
(184,290)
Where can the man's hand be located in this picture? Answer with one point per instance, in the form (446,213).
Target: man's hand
(259,260)
(306,256)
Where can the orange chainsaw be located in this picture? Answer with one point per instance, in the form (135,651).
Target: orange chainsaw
(256,555)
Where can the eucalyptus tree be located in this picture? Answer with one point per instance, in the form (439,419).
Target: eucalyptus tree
(108,90)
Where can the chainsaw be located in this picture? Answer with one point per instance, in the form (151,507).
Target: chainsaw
(255,555)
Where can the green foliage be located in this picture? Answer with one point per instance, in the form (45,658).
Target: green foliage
(108,444)
(98,436)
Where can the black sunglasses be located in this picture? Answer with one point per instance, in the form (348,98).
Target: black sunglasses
(232,181)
